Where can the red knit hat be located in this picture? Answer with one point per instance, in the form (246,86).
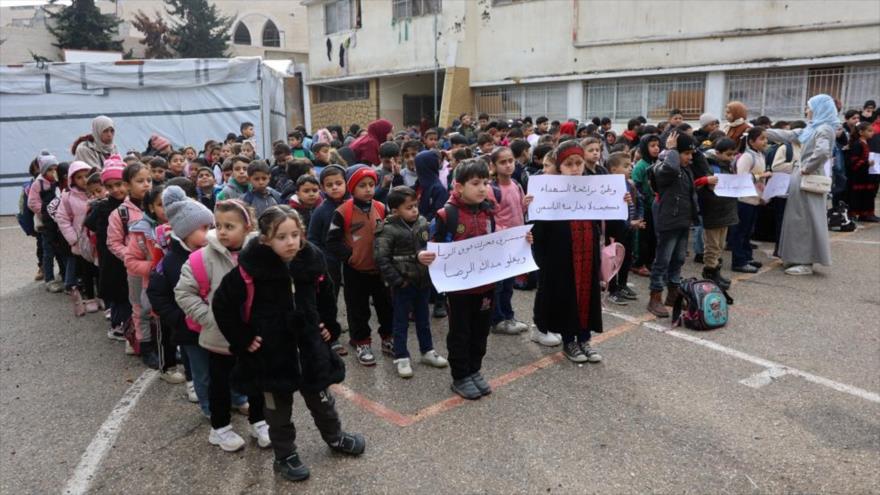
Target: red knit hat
(358,173)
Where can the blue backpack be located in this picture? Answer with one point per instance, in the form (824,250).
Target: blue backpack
(25,216)
(701,305)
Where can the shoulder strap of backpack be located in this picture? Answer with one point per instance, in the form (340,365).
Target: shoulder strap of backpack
(789,152)
(197,265)
(451,223)
(123,215)
(346,210)
(497,192)
(379,208)
(249,290)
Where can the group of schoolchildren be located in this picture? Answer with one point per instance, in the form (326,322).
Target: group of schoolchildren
(232,265)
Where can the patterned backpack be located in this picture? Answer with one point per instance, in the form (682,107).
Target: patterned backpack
(700,305)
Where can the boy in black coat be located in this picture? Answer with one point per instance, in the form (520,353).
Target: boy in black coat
(399,240)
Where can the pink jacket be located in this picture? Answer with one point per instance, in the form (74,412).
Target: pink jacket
(34,202)
(116,238)
(71,215)
(143,252)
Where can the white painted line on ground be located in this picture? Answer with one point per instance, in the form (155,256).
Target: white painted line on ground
(857,241)
(664,329)
(10,227)
(91,459)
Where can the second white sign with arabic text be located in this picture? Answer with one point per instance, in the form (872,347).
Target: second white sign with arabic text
(561,197)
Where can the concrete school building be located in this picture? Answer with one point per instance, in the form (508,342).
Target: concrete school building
(402,59)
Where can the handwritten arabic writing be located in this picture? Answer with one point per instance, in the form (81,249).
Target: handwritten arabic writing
(597,197)
(481,260)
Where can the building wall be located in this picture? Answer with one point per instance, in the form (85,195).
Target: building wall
(344,113)
(616,35)
(393,89)
(382,45)
(23,34)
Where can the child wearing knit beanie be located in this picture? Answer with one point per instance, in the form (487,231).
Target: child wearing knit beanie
(189,221)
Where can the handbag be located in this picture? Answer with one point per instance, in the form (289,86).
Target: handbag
(612,257)
(817,184)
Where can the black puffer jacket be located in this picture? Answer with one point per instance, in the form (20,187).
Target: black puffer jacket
(396,249)
(292,355)
(677,207)
(314,288)
(163,279)
(716,211)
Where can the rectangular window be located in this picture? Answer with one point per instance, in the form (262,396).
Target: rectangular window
(499,3)
(342,15)
(515,102)
(653,98)
(343,92)
(404,9)
(783,93)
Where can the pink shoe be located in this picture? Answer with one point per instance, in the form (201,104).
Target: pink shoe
(78,306)
(92,306)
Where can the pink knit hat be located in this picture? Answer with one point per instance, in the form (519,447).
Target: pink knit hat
(113,167)
(158,142)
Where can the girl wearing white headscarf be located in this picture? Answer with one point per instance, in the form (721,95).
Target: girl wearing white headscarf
(804,239)
(96,147)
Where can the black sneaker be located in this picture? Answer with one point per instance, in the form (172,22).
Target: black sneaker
(618,299)
(756,264)
(466,389)
(592,355)
(387,347)
(439,311)
(481,384)
(349,443)
(574,353)
(629,294)
(745,269)
(365,355)
(698,258)
(291,468)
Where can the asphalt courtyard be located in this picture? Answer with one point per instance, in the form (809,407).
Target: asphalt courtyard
(782,400)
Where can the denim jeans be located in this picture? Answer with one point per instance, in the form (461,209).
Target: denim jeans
(120,312)
(198,365)
(49,258)
(739,236)
(671,252)
(503,295)
(404,299)
(70,278)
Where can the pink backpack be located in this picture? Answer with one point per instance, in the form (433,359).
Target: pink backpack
(197,265)
(612,257)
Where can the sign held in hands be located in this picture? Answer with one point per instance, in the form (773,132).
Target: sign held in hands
(735,186)
(776,186)
(482,260)
(875,168)
(562,197)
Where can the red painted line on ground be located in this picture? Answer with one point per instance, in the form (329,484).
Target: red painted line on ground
(373,407)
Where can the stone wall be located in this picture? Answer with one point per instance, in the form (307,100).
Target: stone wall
(345,113)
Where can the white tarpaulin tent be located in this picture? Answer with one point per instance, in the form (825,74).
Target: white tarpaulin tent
(188,101)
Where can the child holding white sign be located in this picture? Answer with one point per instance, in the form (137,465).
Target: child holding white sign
(469,213)
(751,161)
(568,253)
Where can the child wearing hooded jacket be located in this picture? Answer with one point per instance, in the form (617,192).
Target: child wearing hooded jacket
(263,311)
(44,189)
(211,360)
(432,198)
(70,217)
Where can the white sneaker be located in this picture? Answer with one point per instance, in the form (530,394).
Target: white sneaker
(260,431)
(107,314)
(191,392)
(517,326)
(129,350)
(433,359)
(404,369)
(799,270)
(172,376)
(548,339)
(226,439)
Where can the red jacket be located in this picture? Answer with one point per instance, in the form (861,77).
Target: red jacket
(473,221)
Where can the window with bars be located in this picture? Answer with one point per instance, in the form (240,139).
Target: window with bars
(343,92)
(241,35)
(514,102)
(271,36)
(653,98)
(783,94)
(403,9)
(342,15)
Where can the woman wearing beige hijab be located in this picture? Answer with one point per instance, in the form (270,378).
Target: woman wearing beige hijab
(96,147)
